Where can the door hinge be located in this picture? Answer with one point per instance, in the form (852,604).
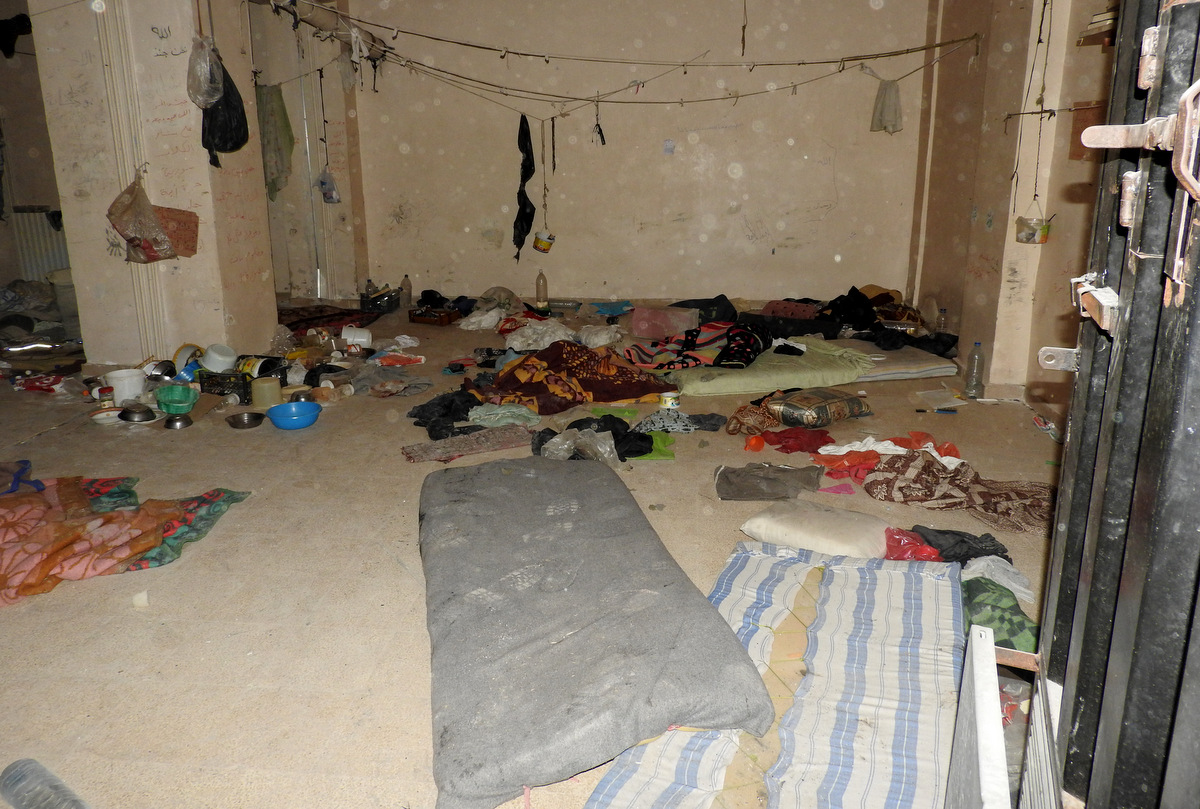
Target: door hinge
(1131,187)
(1150,62)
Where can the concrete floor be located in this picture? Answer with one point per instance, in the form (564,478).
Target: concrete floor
(283,661)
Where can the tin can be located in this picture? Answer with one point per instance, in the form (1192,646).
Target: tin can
(668,401)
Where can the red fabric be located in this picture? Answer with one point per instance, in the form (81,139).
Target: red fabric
(797,439)
(510,324)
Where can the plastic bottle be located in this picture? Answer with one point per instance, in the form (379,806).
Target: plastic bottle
(940,326)
(974,376)
(26,784)
(405,292)
(542,297)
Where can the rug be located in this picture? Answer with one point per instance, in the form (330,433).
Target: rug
(300,319)
(77,528)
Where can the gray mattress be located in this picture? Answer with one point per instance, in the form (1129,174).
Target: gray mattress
(563,632)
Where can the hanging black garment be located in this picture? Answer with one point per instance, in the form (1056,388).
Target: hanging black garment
(525,207)
(223,127)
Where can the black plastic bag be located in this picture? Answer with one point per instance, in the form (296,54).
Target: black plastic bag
(224,127)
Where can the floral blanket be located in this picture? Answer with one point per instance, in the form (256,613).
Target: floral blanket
(76,528)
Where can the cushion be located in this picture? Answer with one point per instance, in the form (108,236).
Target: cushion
(563,632)
(820,528)
(815,407)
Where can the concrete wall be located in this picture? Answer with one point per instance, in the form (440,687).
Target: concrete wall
(1071,187)
(759,196)
(114,86)
(714,178)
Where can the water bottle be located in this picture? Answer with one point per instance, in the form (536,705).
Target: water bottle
(940,325)
(974,377)
(405,292)
(542,296)
(26,784)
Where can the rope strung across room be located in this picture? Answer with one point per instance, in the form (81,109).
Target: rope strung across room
(484,88)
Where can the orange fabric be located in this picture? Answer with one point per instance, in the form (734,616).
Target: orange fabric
(919,440)
(49,536)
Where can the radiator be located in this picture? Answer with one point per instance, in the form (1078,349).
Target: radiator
(40,248)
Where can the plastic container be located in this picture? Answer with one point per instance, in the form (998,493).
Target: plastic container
(942,322)
(26,784)
(973,387)
(405,298)
(176,399)
(218,358)
(542,296)
(661,324)
(257,365)
(294,415)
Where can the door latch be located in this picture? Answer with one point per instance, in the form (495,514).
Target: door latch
(1101,304)
(1059,359)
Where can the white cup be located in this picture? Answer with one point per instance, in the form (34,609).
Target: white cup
(355,336)
(127,383)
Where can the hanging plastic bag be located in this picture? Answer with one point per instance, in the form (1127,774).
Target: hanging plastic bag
(205,82)
(223,126)
(133,217)
(329,190)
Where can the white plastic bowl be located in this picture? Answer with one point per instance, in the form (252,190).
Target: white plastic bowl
(218,358)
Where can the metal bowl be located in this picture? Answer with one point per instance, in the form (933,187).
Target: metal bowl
(137,412)
(302,396)
(178,421)
(244,421)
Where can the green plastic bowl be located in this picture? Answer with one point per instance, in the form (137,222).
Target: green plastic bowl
(176,399)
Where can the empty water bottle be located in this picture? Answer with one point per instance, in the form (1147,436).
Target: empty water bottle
(942,322)
(974,376)
(26,784)
(406,292)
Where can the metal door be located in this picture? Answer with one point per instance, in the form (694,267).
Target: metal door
(1125,558)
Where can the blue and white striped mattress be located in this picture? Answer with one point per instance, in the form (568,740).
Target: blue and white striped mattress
(871,722)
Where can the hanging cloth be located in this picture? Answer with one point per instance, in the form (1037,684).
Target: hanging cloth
(275,134)
(525,207)
(223,127)
(887,115)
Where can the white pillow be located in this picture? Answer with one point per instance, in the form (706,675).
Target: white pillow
(825,529)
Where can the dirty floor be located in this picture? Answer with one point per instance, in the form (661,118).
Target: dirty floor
(283,660)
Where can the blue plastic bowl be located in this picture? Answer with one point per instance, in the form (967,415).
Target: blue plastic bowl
(294,415)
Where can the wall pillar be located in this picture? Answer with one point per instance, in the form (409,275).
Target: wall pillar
(114,82)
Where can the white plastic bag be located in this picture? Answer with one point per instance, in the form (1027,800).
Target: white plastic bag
(206,80)
(597,336)
(482,319)
(133,217)
(538,334)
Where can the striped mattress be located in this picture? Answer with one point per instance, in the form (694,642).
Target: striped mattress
(863,658)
